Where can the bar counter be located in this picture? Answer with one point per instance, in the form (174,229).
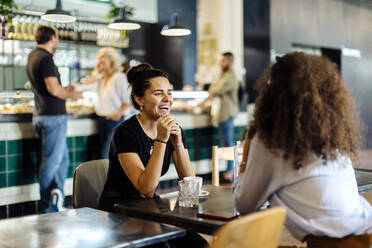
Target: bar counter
(20,153)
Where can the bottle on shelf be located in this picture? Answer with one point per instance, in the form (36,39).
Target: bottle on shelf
(66,32)
(70,32)
(74,32)
(17,27)
(36,25)
(59,32)
(30,30)
(93,34)
(1,27)
(81,31)
(4,28)
(24,28)
(63,32)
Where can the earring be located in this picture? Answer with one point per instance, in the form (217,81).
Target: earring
(141,108)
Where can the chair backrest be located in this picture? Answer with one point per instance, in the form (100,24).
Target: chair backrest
(225,153)
(89,179)
(261,229)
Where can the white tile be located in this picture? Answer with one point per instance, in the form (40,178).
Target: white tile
(25,193)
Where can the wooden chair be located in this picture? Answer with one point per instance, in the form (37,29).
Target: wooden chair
(88,182)
(261,229)
(225,153)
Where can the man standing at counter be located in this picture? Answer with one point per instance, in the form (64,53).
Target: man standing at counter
(49,118)
(226,89)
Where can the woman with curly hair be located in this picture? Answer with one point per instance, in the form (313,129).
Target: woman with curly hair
(304,136)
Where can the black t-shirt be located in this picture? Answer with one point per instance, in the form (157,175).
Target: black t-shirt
(40,65)
(130,137)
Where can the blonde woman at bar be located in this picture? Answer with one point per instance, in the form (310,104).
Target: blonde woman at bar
(113,101)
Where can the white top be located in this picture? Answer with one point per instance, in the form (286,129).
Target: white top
(321,198)
(111,95)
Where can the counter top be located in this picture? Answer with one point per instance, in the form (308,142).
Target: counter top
(27,117)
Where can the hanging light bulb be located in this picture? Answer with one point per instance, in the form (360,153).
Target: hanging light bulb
(58,14)
(175,28)
(122,22)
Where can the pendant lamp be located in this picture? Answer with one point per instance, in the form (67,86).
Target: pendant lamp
(175,28)
(58,14)
(122,22)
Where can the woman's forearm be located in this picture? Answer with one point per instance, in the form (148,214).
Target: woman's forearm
(149,179)
(182,162)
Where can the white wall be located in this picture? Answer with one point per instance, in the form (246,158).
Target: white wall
(144,10)
(336,24)
(226,19)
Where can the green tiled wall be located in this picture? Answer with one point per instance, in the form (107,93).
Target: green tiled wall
(2,164)
(2,148)
(81,149)
(2,180)
(20,159)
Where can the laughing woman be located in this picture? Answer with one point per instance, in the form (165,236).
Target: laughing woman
(142,146)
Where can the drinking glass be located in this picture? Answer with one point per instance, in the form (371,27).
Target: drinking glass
(238,157)
(200,179)
(189,193)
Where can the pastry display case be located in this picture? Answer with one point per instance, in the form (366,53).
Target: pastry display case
(16,102)
(83,106)
(190,101)
(19,105)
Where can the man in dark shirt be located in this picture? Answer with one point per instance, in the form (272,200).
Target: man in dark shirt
(49,119)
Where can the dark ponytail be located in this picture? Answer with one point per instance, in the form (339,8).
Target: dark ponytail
(139,79)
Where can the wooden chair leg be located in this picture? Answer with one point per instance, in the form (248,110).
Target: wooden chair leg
(215,167)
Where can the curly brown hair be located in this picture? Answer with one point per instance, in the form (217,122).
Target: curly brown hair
(304,107)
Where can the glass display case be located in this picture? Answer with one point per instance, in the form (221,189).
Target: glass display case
(16,102)
(83,106)
(19,105)
(190,101)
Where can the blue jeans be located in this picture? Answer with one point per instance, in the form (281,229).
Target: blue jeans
(51,129)
(105,131)
(227,136)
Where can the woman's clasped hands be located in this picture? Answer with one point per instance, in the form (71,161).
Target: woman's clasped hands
(168,128)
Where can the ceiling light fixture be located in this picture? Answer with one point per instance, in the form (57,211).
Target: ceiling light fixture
(175,28)
(122,22)
(58,14)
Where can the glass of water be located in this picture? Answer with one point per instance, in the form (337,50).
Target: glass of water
(238,157)
(188,193)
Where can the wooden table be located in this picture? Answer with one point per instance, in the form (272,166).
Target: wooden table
(219,201)
(165,210)
(84,227)
(364,180)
